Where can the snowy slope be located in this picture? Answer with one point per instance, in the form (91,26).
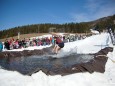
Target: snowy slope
(89,45)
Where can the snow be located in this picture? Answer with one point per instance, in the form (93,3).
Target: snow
(89,45)
(94,31)
(30,48)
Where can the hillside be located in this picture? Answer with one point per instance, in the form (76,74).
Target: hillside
(82,27)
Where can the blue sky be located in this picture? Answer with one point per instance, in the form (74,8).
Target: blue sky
(15,13)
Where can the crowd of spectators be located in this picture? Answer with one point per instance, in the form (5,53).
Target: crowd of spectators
(10,44)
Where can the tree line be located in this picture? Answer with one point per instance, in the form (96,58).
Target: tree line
(83,27)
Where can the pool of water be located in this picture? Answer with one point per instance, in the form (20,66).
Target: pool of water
(26,65)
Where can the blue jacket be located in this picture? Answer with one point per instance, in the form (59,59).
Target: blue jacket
(1,46)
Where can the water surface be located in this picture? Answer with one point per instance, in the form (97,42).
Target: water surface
(27,65)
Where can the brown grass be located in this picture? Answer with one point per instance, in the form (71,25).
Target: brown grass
(22,36)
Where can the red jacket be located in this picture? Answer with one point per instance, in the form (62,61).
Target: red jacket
(58,40)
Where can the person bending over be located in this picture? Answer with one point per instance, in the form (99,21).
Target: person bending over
(59,44)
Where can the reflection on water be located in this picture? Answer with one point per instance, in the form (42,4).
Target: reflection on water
(26,65)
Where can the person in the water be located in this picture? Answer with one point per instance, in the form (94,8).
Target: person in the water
(59,44)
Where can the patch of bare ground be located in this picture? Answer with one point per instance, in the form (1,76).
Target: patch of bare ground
(22,36)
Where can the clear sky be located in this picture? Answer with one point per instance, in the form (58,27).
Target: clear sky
(15,13)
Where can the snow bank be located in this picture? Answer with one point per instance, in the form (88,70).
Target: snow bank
(89,45)
(30,48)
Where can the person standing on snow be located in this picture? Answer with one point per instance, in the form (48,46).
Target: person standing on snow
(1,46)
